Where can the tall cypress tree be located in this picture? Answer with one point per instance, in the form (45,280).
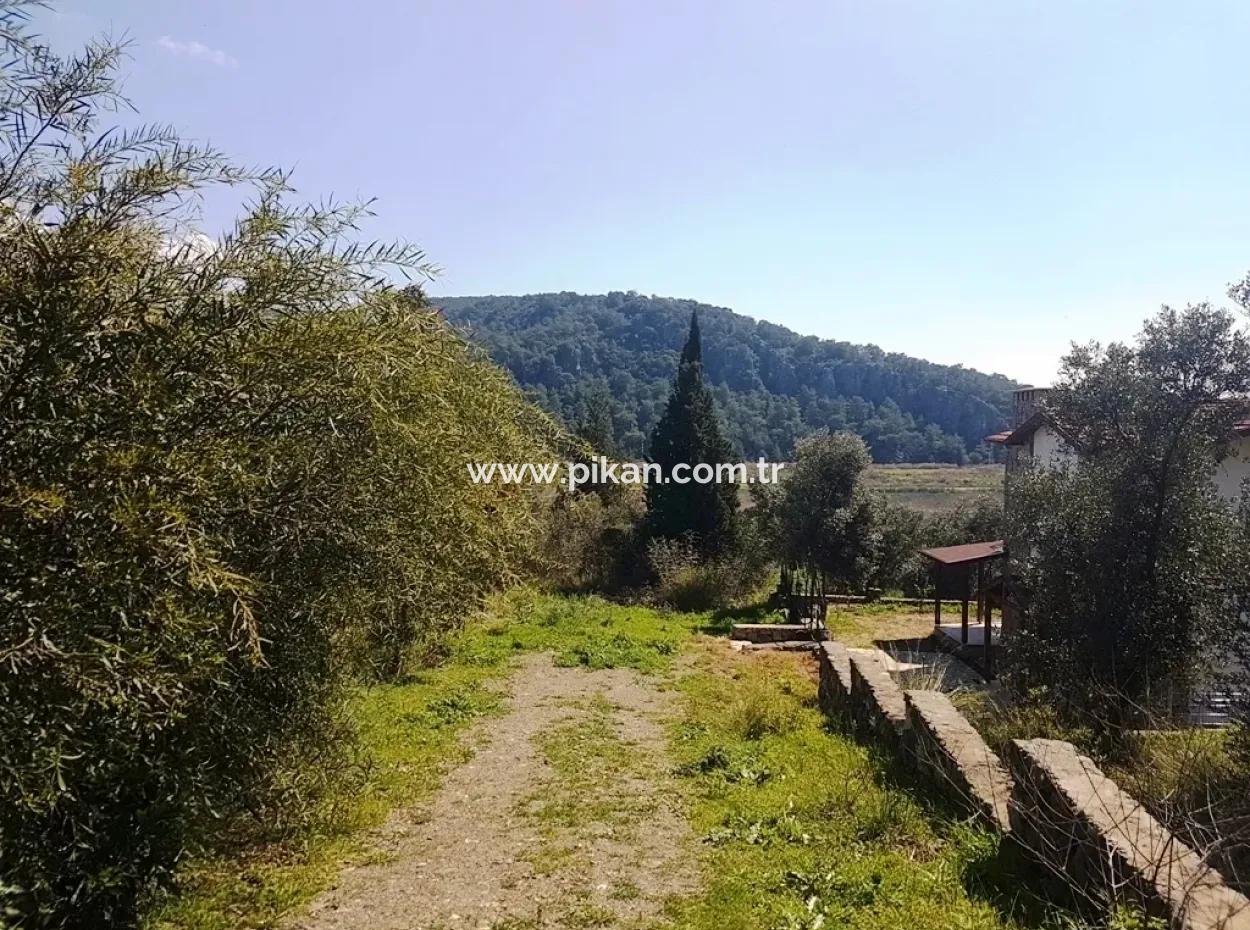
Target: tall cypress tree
(690,432)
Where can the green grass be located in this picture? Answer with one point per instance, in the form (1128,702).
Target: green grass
(581,631)
(804,827)
(865,624)
(590,761)
(799,826)
(588,795)
(409,735)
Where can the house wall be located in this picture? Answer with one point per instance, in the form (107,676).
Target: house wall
(1047,448)
(1234,469)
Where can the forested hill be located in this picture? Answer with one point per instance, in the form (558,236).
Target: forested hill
(772,385)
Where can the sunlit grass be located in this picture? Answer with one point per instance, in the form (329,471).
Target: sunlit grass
(865,624)
(799,826)
(409,735)
(804,827)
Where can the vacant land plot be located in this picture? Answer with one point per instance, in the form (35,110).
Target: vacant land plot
(936,487)
(577,764)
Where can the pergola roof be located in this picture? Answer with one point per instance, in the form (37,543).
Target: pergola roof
(965,554)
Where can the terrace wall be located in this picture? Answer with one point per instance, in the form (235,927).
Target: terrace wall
(1077,822)
(949,750)
(1057,804)
(877,705)
(834,692)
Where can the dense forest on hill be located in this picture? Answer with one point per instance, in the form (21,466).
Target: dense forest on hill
(772,386)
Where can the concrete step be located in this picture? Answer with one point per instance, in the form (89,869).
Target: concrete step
(775,632)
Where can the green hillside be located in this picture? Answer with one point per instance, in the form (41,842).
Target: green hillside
(772,385)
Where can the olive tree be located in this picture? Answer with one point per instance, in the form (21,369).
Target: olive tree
(820,519)
(1122,556)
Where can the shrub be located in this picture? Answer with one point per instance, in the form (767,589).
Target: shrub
(587,535)
(687,581)
(231,473)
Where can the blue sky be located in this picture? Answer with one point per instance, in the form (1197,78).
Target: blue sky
(976,183)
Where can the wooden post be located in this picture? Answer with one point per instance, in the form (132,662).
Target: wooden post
(980,592)
(989,646)
(937,597)
(963,620)
(989,636)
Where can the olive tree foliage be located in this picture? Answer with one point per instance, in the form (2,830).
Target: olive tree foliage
(1122,557)
(232,475)
(901,532)
(1239,590)
(820,519)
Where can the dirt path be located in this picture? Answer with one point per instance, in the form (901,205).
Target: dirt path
(565,816)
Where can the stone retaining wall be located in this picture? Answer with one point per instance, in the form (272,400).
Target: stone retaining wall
(834,692)
(773,632)
(876,699)
(948,748)
(1078,822)
(1055,802)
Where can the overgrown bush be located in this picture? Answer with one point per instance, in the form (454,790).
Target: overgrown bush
(686,580)
(232,473)
(589,538)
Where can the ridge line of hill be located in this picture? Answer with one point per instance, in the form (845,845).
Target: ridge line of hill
(571,352)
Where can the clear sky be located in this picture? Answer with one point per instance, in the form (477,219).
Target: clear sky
(976,183)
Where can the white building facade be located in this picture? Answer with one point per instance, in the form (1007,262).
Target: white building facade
(1033,438)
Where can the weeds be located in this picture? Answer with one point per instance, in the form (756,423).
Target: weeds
(824,840)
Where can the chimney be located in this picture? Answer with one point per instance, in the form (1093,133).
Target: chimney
(1025,403)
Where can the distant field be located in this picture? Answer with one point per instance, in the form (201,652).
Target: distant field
(926,486)
(935,487)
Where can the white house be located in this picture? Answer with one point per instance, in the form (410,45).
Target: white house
(1033,438)
(1234,471)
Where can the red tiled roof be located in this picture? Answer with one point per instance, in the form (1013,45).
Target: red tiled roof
(969,552)
(1020,435)
(999,438)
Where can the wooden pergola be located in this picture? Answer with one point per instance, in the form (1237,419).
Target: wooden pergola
(952,568)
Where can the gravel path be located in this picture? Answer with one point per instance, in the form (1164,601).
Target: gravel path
(515,837)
